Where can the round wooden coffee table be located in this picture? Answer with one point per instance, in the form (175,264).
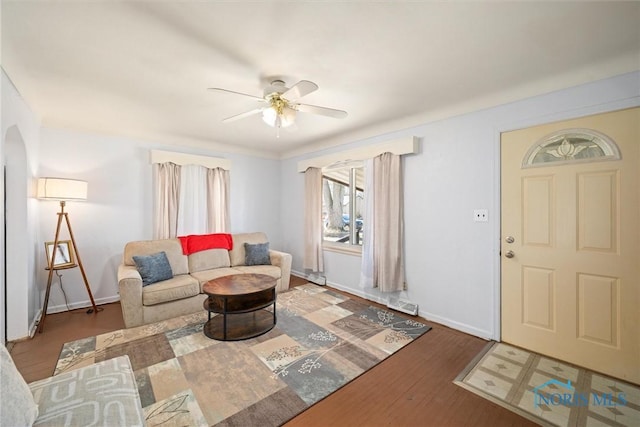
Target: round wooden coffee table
(241,300)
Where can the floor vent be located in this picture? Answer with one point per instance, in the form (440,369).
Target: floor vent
(317,279)
(403,306)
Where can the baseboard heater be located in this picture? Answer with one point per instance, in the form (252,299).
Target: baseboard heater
(317,279)
(403,306)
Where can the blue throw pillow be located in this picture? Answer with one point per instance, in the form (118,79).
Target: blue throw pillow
(257,254)
(153,268)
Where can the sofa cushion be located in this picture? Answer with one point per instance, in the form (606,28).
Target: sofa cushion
(257,254)
(17,406)
(153,268)
(237,254)
(179,287)
(104,393)
(206,260)
(270,270)
(204,276)
(171,247)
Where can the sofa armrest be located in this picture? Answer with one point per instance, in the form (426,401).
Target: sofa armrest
(130,289)
(282,260)
(104,393)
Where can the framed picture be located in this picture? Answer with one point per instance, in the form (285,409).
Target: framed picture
(64,254)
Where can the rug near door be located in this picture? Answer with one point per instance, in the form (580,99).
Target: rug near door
(550,392)
(322,340)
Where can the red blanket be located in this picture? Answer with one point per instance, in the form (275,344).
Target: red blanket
(201,242)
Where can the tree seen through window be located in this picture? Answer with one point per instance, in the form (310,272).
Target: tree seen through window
(343,205)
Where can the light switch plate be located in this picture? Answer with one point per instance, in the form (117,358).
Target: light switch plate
(481,215)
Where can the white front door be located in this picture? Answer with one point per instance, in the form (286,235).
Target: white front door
(571,241)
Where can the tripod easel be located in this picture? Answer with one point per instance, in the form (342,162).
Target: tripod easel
(51,268)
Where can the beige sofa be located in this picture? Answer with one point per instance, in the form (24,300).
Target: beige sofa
(101,394)
(182,294)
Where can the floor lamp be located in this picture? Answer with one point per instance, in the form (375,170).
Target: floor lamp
(62,190)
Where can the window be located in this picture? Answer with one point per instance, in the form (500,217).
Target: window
(570,146)
(190,199)
(343,204)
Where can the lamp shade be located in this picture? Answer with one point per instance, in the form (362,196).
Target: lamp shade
(285,118)
(61,189)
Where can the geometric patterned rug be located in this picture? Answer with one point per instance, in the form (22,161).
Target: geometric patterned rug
(322,341)
(550,392)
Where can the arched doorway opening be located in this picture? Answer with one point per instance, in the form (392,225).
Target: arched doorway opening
(16,287)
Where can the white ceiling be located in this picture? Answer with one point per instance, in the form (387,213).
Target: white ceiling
(141,69)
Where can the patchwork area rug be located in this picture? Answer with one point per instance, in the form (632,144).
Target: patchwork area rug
(322,340)
(550,392)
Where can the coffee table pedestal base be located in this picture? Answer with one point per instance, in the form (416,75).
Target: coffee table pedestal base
(240,326)
(245,305)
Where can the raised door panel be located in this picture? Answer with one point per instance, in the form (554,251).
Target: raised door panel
(538,297)
(598,211)
(538,207)
(598,309)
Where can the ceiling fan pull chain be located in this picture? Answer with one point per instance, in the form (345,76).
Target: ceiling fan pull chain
(278,125)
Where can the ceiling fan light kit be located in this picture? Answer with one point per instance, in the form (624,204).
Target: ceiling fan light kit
(278,116)
(279,113)
(281,109)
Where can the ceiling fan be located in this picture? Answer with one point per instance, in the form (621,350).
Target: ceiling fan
(281,104)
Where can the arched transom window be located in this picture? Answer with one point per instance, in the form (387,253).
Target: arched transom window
(569,146)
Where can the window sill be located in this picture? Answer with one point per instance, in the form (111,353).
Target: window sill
(342,249)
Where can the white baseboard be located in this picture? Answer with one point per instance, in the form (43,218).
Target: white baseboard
(316,278)
(81,304)
(342,288)
(358,293)
(34,325)
(403,305)
(463,327)
(480,333)
(298,274)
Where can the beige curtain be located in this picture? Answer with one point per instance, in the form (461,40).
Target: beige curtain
(218,200)
(167,176)
(366,269)
(388,226)
(313,220)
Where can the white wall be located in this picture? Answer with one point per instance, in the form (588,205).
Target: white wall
(255,197)
(20,130)
(453,263)
(119,205)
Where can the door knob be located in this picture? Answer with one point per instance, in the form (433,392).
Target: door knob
(509,239)
(509,254)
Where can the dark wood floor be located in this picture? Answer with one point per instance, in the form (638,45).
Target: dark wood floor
(36,358)
(412,388)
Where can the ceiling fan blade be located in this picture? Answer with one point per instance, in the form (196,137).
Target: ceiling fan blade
(324,111)
(217,89)
(242,115)
(300,89)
